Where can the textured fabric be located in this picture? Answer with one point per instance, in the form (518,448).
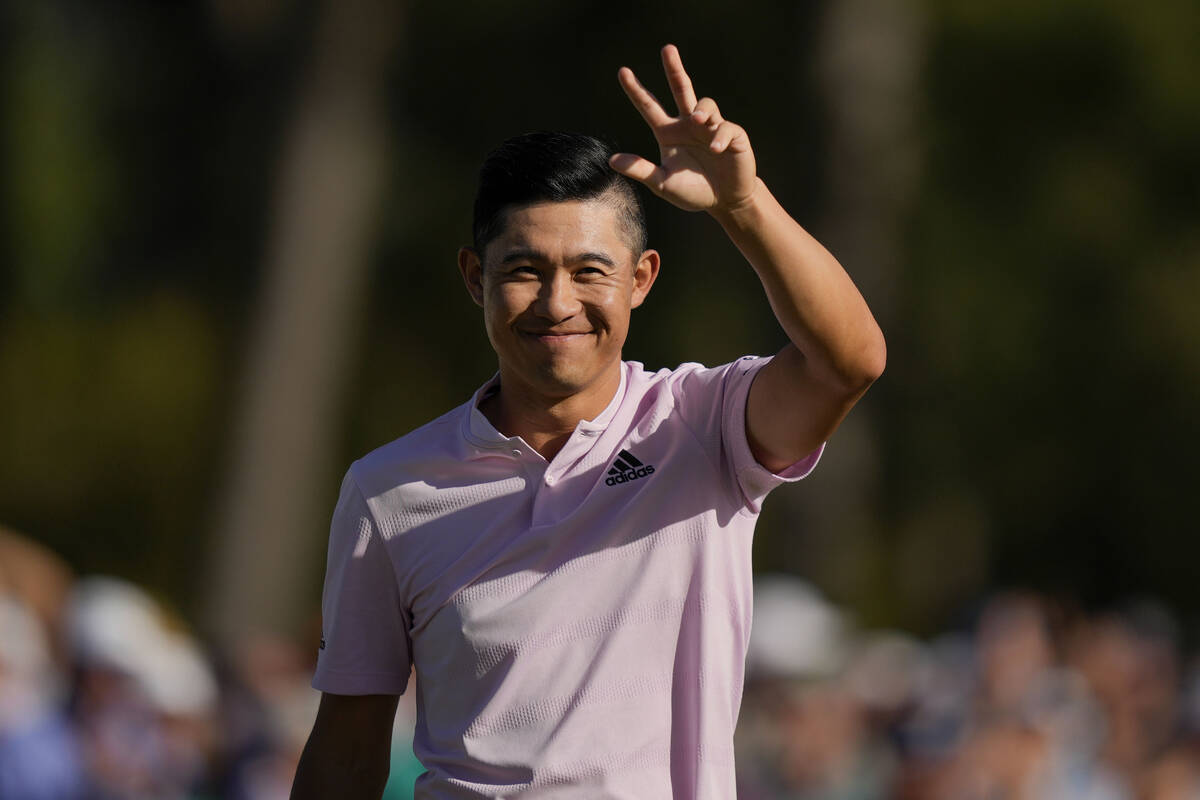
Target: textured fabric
(578,628)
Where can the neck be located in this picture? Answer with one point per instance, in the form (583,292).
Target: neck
(546,422)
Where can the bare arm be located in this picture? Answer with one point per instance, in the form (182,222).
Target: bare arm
(349,750)
(836,349)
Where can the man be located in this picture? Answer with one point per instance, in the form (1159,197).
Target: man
(565,559)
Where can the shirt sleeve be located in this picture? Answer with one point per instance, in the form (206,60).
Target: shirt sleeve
(713,400)
(365,645)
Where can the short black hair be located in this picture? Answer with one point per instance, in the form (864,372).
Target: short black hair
(552,167)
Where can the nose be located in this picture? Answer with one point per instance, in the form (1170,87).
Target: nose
(556,300)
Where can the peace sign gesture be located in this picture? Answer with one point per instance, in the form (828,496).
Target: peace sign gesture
(707,163)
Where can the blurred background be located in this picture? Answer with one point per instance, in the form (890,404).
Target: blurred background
(227,238)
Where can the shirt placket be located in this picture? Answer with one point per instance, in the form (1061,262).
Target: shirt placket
(548,501)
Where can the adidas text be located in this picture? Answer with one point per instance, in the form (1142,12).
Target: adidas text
(631,475)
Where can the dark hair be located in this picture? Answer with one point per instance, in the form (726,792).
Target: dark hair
(548,166)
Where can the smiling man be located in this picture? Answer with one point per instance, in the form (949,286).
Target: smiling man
(565,558)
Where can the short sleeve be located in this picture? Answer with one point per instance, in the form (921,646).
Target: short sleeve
(365,645)
(713,400)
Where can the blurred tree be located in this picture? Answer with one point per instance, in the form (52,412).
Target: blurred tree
(1040,391)
(105,393)
(867,63)
(284,435)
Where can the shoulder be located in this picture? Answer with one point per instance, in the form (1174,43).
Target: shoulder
(693,395)
(690,376)
(412,455)
(641,380)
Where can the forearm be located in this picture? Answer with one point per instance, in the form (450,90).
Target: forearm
(328,768)
(815,301)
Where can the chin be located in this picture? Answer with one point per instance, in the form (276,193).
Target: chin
(564,380)
(561,384)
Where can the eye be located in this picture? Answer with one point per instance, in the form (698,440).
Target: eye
(589,271)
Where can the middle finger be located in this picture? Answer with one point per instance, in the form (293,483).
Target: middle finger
(677,78)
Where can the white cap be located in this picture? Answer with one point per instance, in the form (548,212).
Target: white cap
(796,632)
(115,625)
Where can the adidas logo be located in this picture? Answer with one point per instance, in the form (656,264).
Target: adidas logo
(626,468)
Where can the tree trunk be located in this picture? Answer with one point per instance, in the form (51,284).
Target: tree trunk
(333,165)
(867,66)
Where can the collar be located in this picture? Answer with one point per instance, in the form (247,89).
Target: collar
(479,430)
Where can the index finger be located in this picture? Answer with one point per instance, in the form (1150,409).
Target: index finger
(642,100)
(677,78)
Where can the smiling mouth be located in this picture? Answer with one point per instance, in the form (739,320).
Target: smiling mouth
(555,333)
(556,337)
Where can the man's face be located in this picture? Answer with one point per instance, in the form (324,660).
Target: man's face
(557,286)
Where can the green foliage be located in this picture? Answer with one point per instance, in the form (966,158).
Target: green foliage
(108,432)
(1048,330)
(60,178)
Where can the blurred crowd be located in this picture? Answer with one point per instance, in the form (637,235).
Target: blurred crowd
(105,695)
(1035,700)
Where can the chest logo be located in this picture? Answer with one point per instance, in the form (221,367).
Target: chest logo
(626,467)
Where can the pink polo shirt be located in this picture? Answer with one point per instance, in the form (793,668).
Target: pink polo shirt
(578,627)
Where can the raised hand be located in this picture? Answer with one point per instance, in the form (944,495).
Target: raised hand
(707,163)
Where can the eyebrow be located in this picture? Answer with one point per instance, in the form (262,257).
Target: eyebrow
(528,254)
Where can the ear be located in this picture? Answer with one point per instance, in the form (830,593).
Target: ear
(644,274)
(471,267)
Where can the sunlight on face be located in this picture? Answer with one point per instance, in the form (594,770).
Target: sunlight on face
(558,285)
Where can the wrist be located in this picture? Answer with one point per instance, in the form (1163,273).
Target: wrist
(744,211)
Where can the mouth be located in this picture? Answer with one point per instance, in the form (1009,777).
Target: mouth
(556,338)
